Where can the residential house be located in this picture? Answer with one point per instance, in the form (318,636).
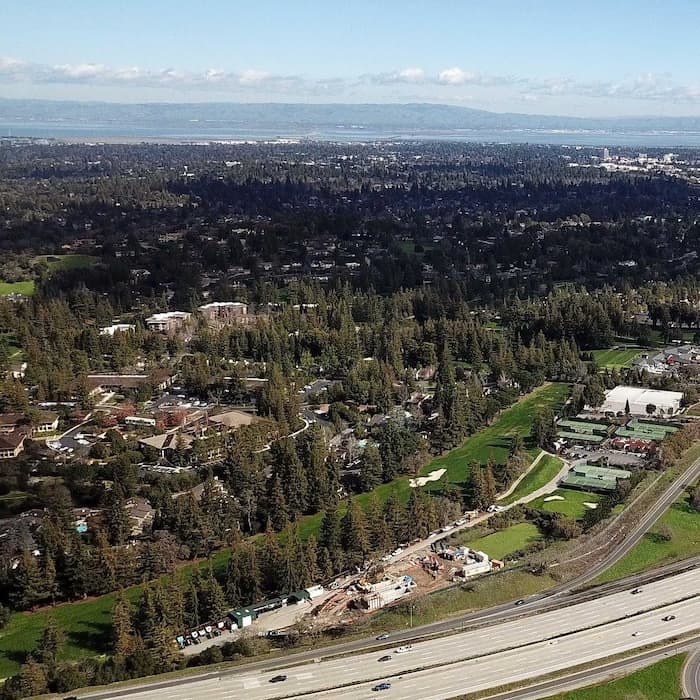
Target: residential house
(12,444)
(170,322)
(219,314)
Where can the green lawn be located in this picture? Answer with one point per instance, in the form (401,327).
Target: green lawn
(615,358)
(504,542)
(26,288)
(66,262)
(572,506)
(682,523)
(545,470)
(661,681)
(495,440)
(86,625)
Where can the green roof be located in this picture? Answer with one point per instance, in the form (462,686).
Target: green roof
(588,483)
(591,472)
(584,426)
(581,437)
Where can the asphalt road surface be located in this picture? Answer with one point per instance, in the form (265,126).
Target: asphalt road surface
(603,673)
(691,675)
(641,528)
(489,656)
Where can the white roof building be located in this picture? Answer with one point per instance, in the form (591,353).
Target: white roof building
(117,327)
(639,398)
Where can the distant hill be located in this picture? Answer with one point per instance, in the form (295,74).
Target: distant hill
(308,117)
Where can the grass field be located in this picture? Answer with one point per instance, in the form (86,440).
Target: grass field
(86,626)
(572,506)
(544,471)
(615,358)
(25,288)
(495,440)
(504,542)
(66,262)
(661,681)
(681,522)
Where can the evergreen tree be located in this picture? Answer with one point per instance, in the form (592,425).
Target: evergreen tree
(370,468)
(50,644)
(123,637)
(354,534)
(330,538)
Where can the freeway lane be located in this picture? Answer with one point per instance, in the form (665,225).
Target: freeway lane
(600,674)
(545,635)
(520,664)
(645,523)
(691,675)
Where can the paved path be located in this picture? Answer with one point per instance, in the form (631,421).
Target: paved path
(514,485)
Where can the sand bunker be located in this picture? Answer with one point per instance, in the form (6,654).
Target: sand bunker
(555,498)
(592,506)
(423,480)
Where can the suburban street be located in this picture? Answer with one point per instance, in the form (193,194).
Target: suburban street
(437,668)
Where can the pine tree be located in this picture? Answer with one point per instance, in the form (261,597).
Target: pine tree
(377,530)
(33,678)
(278,510)
(116,516)
(50,644)
(489,483)
(330,537)
(395,518)
(477,486)
(123,637)
(370,468)
(26,585)
(354,534)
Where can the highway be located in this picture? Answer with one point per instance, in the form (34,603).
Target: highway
(691,674)
(437,668)
(556,599)
(602,673)
(641,528)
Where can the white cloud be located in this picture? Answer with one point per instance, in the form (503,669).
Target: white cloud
(448,84)
(253,77)
(456,76)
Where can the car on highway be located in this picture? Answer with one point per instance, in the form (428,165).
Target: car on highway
(383,635)
(635,591)
(403,649)
(382,686)
(520,602)
(278,679)
(636,634)
(668,618)
(385,658)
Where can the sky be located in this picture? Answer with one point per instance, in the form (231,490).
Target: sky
(572,57)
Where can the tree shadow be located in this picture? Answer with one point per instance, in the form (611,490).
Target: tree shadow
(96,638)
